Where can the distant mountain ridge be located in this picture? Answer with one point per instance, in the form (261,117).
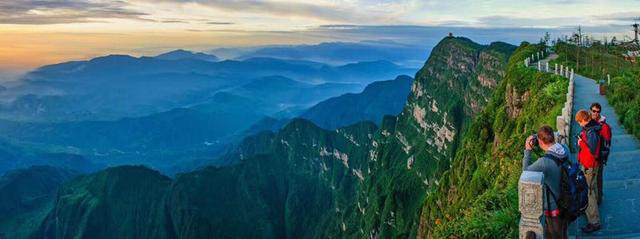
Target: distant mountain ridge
(116,86)
(14,156)
(375,101)
(340,52)
(195,133)
(184,54)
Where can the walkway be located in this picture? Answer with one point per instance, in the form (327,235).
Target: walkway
(620,209)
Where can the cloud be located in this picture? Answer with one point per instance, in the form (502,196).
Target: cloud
(63,11)
(220,23)
(336,11)
(621,16)
(430,35)
(518,22)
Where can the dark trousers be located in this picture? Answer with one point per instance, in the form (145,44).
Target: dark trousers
(600,170)
(556,228)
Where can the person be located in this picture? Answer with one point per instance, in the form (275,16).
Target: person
(588,150)
(605,134)
(555,224)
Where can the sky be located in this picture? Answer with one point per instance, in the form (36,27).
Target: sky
(39,32)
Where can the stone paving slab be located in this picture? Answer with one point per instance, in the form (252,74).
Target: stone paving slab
(623,142)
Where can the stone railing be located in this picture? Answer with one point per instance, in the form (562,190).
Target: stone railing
(536,57)
(530,187)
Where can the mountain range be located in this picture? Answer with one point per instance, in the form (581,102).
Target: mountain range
(173,112)
(118,86)
(372,104)
(336,53)
(185,138)
(303,181)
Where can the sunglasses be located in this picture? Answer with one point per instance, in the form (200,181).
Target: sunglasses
(595,111)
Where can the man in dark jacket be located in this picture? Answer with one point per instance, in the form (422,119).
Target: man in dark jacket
(588,153)
(605,134)
(555,224)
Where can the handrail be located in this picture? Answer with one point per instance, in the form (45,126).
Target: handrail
(530,186)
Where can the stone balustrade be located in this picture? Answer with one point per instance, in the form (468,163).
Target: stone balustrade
(530,187)
(536,57)
(530,203)
(563,121)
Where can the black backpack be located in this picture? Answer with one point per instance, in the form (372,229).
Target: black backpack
(574,191)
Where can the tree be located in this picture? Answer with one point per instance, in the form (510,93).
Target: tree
(546,38)
(578,47)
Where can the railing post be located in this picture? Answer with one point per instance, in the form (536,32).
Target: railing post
(547,67)
(572,75)
(556,69)
(530,195)
(561,125)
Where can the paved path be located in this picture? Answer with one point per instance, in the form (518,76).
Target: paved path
(620,209)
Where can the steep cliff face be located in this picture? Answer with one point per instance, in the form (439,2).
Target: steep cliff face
(477,196)
(305,182)
(411,151)
(301,184)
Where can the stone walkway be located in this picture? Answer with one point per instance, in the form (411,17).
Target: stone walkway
(620,209)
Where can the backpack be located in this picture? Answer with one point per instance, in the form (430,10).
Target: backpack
(601,144)
(605,142)
(574,191)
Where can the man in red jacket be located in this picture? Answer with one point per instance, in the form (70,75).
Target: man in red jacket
(605,134)
(589,148)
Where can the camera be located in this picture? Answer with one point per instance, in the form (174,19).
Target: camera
(534,140)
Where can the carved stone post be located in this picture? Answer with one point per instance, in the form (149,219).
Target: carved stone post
(530,197)
(539,66)
(556,69)
(561,68)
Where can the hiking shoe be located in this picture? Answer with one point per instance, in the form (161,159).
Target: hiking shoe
(590,228)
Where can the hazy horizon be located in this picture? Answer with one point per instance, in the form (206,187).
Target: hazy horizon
(37,33)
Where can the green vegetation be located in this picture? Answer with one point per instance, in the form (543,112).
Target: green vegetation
(120,202)
(477,197)
(353,182)
(414,148)
(596,62)
(27,196)
(298,183)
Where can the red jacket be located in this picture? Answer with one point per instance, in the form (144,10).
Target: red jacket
(605,132)
(589,144)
